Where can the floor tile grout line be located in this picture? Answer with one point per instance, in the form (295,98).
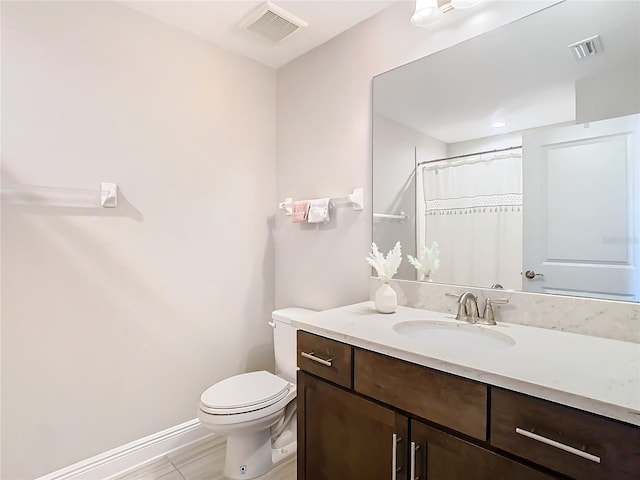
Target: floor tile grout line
(191,451)
(176,468)
(219,449)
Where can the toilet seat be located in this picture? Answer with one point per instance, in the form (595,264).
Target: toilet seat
(244,393)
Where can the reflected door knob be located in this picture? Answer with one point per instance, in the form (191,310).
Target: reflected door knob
(531,274)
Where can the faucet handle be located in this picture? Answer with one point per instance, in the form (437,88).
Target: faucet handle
(489,317)
(498,301)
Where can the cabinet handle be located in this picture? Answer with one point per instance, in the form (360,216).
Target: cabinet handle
(561,446)
(395,440)
(412,471)
(311,356)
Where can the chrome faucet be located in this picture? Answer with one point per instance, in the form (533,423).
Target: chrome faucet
(469,302)
(468,308)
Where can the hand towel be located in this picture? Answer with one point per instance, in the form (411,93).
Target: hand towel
(300,211)
(319,210)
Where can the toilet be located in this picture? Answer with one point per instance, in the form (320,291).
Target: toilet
(256,411)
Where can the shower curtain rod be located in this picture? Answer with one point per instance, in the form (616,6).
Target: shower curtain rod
(469,155)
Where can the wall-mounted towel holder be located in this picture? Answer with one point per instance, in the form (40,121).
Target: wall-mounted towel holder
(400,217)
(106,196)
(355,199)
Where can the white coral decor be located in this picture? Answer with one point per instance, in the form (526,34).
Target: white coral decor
(387,266)
(428,262)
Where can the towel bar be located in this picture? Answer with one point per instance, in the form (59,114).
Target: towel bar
(355,199)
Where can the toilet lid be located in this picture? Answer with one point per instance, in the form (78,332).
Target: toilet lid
(246,390)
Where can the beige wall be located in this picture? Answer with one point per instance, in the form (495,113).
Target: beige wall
(115,321)
(324,142)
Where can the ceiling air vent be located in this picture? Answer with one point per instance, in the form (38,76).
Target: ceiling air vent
(272,23)
(586,48)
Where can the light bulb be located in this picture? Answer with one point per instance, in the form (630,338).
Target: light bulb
(426,13)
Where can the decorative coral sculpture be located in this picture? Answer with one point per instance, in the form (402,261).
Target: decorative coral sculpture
(428,261)
(386,267)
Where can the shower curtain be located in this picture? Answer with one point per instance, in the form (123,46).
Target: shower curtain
(473,209)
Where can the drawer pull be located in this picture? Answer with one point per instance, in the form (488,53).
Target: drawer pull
(311,356)
(561,446)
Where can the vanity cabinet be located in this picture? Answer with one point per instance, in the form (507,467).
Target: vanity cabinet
(447,400)
(576,443)
(445,456)
(326,358)
(367,416)
(344,436)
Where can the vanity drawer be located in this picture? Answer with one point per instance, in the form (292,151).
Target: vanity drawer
(445,399)
(546,429)
(325,358)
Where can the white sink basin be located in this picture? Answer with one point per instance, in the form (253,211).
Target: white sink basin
(464,335)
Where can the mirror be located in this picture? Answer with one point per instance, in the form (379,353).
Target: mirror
(517,156)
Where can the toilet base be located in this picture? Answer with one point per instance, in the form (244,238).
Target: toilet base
(250,456)
(280,455)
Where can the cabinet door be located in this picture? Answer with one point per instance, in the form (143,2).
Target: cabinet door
(342,436)
(441,456)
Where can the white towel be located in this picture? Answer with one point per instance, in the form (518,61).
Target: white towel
(319,210)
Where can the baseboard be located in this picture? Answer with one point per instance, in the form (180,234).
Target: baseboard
(135,453)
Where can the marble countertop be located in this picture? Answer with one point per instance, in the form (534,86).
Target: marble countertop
(595,374)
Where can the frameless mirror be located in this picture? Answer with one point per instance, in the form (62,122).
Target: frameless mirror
(518,153)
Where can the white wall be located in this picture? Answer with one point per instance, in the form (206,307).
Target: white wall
(115,321)
(324,141)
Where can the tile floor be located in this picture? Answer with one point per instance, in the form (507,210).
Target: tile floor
(202,460)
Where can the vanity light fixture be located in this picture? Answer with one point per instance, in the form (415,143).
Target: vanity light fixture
(426,13)
(429,11)
(461,4)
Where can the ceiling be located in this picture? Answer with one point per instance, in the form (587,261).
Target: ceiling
(218,22)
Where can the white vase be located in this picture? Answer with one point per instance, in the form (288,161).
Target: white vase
(386,299)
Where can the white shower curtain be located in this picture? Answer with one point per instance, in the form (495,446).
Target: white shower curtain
(473,209)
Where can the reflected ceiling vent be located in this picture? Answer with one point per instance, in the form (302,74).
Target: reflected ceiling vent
(272,23)
(586,48)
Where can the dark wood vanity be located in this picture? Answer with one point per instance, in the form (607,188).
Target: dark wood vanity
(366,416)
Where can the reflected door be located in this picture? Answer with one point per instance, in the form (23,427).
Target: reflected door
(581,210)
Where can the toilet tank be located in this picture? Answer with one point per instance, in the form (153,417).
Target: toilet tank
(284,339)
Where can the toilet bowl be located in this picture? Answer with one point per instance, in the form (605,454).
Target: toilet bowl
(244,408)
(256,410)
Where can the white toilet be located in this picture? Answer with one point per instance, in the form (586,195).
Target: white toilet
(256,411)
